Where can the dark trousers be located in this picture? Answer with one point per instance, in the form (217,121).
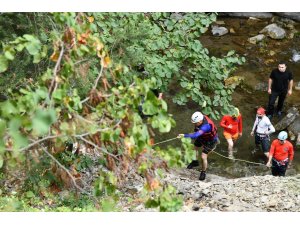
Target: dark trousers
(272,98)
(278,169)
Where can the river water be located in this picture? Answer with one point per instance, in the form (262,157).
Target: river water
(260,60)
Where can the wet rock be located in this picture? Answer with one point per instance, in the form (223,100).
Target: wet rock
(296,56)
(298,139)
(291,15)
(294,129)
(297,87)
(219,31)
(274,31)
(262,86)
(292,114)
(248,14)
(256,39)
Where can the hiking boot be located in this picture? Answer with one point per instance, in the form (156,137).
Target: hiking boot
(202,175)
(193,164)
(230,156)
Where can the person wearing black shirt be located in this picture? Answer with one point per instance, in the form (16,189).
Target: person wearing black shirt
(280,84)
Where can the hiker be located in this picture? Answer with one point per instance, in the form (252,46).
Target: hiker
(281,154)
(280,84)
(261,129)
(205,136)
(233,129)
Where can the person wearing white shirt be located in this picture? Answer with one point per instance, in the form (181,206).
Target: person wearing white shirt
(262,128)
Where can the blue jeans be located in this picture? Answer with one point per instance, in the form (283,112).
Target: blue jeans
(263,141)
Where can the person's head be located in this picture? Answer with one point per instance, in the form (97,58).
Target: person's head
(260,112)
(197,118)
(282,136)
(282,66)
(235,112)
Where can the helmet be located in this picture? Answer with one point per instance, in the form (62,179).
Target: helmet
(261,110)
(196,117)
(235,112)
(282,136)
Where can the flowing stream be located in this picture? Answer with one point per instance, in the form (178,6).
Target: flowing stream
(260,60)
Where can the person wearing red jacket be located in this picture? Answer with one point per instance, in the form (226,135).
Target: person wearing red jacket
(233,129)
(281,155)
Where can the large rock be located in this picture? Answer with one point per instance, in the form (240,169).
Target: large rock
(296,56)
(261,15)
(291,15)
(256,39)
(219,31)
(292,114)
(274,31)
(294,129)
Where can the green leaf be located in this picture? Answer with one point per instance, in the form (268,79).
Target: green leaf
(9,55)
(42,120)
(1,161)
(3,63)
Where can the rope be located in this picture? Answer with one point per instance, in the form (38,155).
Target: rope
(213,150)
(242,160)
(171,139)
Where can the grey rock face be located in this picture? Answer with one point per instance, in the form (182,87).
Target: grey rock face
(292,114)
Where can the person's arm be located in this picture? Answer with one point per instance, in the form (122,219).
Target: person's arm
(270,85)
(223,122)
(254,125)
(290,87)
(204,129)
(291,155)
(271,128)
(240,125)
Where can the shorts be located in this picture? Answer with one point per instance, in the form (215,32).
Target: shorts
(230,136)
(208,146)
(264,142)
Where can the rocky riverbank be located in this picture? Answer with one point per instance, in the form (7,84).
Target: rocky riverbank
(248,194)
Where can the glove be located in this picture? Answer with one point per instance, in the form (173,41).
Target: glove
(180,135)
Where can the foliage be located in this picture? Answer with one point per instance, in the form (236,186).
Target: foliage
(89,88)
(166,199)
(168,47)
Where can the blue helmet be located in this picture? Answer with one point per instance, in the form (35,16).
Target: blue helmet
(282,136)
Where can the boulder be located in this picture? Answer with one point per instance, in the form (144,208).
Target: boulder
(219,31)
(297,86)
(292,114)
(261,15)
(256,39)
(274,31)
(291,15)
(296,56)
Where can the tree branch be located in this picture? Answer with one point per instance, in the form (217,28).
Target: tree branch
(53,85)
(99,148)
(65,169)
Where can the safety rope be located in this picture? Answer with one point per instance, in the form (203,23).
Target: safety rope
(234,159)
(171,139)
(213,150)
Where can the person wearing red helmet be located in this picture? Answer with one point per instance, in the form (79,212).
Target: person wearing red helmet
(281,155)
(262,128)
(280,84)
(233,128)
